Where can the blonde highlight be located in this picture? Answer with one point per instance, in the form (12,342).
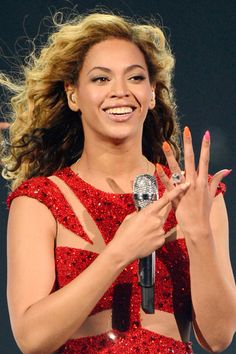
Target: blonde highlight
(45,135)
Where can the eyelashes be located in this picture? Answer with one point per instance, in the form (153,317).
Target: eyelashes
(138,78)
(100,79)
(104,79)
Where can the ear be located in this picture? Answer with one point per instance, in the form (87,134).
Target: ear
(72,98)
(152,103)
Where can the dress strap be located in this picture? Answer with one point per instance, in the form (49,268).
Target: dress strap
(47,192)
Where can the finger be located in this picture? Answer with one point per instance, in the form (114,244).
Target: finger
(4,125)
(172,163)
(204,157)
(171,195)
(216,179)
(189,159)
(164,212)
(164,178)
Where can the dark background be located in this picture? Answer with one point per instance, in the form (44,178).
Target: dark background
(202,35)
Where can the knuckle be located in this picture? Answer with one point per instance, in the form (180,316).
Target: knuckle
(161,220)
(205,160)
(167,197)
(202,183)
(161,241)
(169,185)
(189,155)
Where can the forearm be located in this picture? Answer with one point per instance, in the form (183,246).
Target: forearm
(49,323)
(213,297)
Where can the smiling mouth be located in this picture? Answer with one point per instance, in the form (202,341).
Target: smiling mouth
(120,111)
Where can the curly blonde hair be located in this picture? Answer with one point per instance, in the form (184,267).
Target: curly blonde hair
(45,134)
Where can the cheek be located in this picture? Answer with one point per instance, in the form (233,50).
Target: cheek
(91,99)
(144,95)
(145,99)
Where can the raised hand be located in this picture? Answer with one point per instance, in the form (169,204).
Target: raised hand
(193,207)
(137,238)
(4,125)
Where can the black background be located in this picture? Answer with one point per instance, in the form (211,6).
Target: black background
(202,35)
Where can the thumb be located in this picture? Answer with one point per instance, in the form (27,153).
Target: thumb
(216,179)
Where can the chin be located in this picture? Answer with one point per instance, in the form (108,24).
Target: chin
(119,139)
(122,134)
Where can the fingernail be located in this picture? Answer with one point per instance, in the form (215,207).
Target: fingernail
(187,133)
(166,146)
(227,172)
(207,136)
(159,168)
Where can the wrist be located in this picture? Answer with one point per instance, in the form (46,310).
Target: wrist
(198,234)
(116,256)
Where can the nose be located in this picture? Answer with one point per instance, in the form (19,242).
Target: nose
(119,88)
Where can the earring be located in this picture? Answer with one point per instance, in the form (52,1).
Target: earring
(73,98)
(152,101)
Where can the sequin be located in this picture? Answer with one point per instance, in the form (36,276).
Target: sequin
(112,206)
(47,192)
(136,341)
(172,287)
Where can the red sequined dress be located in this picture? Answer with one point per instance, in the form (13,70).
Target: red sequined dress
(108,210)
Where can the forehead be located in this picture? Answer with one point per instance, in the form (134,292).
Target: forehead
(114,53)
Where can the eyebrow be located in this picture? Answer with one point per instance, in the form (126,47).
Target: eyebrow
(129,68)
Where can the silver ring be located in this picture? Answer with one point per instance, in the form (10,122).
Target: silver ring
(176,177)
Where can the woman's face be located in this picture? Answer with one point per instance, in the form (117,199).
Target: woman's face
(113,91)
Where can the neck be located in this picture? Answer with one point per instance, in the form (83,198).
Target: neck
(113,160)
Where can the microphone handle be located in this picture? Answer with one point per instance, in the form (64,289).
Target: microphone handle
(147,281)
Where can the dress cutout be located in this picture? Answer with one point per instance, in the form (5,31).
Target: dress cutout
(108,210)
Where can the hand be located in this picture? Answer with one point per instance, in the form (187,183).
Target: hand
(142,232)
(193,207)
(4,125)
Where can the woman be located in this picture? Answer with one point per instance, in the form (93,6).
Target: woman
(95,109)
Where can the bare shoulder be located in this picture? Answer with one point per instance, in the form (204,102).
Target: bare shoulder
(30,254)
(27,212)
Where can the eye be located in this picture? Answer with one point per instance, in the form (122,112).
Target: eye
(100,79)
(137,78)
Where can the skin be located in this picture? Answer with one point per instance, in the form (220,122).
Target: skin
(4,125)
(205,227)
(31,245)
(117,85)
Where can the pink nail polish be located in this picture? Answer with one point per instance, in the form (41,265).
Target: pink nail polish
(207,135)
(227,172)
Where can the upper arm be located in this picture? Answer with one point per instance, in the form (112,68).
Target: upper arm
(30,255)
(220,231)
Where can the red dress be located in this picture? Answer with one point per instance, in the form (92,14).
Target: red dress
(172,287)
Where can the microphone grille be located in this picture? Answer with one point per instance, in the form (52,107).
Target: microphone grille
(145,190)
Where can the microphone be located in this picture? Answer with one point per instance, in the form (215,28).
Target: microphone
(145,191)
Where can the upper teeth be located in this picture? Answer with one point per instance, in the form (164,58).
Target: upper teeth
(119,110)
